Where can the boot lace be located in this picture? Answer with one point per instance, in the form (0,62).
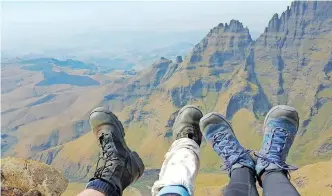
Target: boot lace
(275,153)
(106,157)
(230,150)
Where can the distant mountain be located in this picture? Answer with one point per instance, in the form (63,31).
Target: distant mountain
(52,78)
(73,64)
(45,65)
(227,71)
(122,50)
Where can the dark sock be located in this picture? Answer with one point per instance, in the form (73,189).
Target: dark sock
(103,187)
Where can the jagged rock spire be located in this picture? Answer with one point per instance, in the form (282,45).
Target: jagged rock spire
(307,11)
(224,42)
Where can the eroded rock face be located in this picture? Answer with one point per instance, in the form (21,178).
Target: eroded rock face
(223,43)
(141,85)
(292,57)
(179,59)
(30,178)
(33,193)
(11,191)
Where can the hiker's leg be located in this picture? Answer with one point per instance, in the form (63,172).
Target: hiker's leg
(237,160)
(276,183)
(179,169)
(118,166)
(107,188)
(181,163)
(280,128)
(242,183)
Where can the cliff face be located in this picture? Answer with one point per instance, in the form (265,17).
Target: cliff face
(142,85)
(291,54)
(225,42)
(297,17)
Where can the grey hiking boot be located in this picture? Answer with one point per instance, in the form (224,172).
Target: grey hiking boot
(186,124)
(120,166)
(219,133)
(280,128)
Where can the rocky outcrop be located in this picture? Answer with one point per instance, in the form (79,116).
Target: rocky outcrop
(141,85)
(159,69)
(11,191)
(225,42)
(179,59)
(30,178)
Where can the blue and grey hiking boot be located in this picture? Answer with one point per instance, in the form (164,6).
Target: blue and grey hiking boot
(186,124)
(280,128)
(219,133)
(118,165)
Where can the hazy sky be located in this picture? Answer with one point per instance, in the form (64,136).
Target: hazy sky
(44,21)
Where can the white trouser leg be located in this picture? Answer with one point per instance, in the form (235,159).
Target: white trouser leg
(180,166)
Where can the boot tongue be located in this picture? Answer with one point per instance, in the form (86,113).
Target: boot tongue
(106,135)
(190,132)
(187,132)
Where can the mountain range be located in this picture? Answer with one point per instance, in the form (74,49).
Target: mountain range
(45,106)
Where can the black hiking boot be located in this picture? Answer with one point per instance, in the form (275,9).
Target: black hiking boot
(118,165)
(186,124)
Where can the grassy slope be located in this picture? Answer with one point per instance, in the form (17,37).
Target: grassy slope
(306,148)
(308,179)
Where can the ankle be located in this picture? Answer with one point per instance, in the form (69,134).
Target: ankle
(243,168)
(103,186)
(266,173)
(173,189)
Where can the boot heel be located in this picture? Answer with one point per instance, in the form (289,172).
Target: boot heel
(139,163)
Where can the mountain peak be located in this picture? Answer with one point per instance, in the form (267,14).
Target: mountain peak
(306,11)
(223,43)
(234,26)
(162,63)
(179,59)
(163,59)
